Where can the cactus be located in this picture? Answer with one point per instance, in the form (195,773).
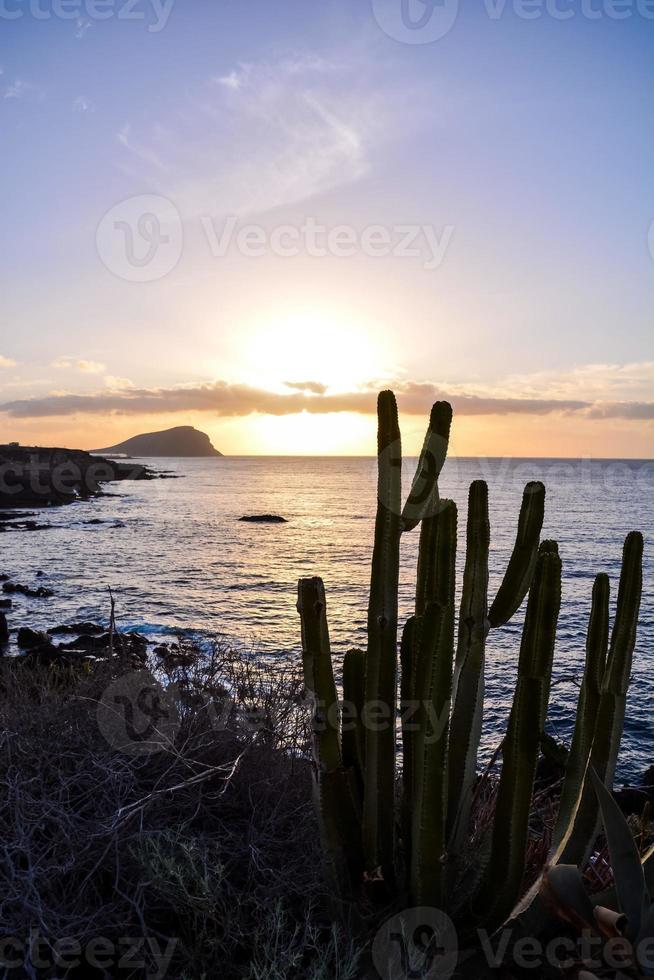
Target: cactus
(475,622)
(424,490)
(433,645)
(429,789)
(353,739)
(468,685)
(612,701)
(335,789)
(597,642)
(381,657)
(522,742)
(520,570)
(442,696)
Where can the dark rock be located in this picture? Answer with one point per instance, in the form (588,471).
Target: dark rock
(28,638)
(4,630)
(5,603)
(633,799)
(263,519)
(49,655)
(92,629)
(40,593)
(25,526)
(4,578)
(131,644)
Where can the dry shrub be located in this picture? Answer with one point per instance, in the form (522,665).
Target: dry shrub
(207,849)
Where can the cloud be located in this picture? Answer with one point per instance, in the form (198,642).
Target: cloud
(261,136)
(6,362)
(314,386)
(16,89)
(632,381)
(145,154)
(78,364)
(114,383)
(234,80)
(222,398)
(82,25)
(82,104)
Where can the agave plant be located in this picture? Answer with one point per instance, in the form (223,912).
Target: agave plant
(626,911)
(410,840)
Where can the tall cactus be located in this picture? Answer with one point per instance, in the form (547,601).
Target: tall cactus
(597,643)
(612,701)
(475,622)
(381,657)
(354,697)
(522,742)
(468,685)
(335,788)
(429,789)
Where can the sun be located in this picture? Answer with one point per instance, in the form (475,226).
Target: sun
(311,346)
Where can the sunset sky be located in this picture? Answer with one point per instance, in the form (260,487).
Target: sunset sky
(249,216)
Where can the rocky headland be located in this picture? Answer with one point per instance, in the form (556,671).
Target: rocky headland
(180,441)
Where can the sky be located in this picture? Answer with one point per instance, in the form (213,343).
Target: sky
(251,215)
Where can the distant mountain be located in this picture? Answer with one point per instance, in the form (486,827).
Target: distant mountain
(183,440)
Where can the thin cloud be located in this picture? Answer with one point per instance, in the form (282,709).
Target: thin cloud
(81,27)
(6,362)
(78,364)
(261,136)
(314,386)
(16,89)
(146,154)
(82,104)
(230,400)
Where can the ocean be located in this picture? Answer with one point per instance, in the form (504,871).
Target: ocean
(178,559)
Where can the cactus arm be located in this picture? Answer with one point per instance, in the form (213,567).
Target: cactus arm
(437,557)
(408,715)
(612,702)
(318,673)
(424,489)
(429,805)
(468,684)
(335,789)
(381,657)
(353,732)
(521,745)
(434,649)
(597,642)
(520,569)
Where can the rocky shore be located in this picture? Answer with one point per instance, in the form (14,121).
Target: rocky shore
(34,477)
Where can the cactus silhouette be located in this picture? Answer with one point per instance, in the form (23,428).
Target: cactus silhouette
(410,840)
